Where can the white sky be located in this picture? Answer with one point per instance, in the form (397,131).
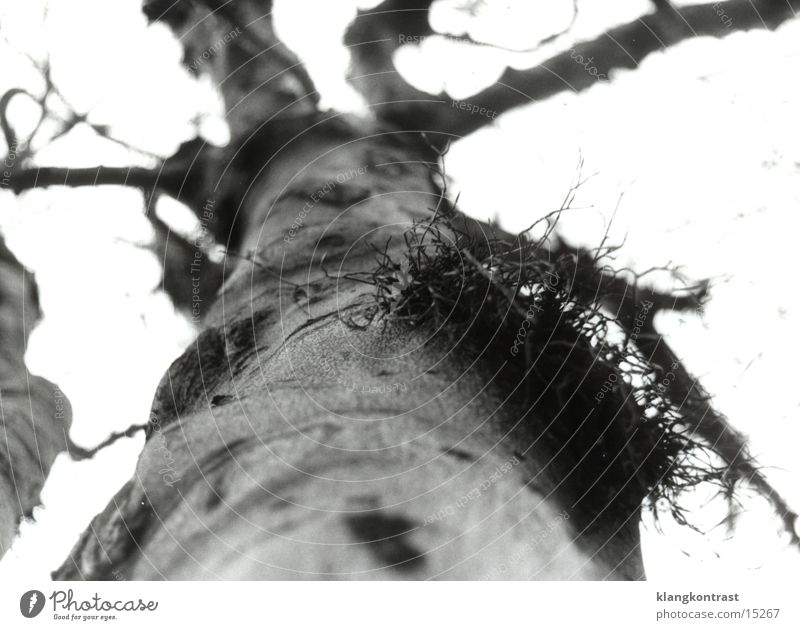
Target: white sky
(702,140)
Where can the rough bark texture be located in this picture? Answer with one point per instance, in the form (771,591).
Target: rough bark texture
(34,414)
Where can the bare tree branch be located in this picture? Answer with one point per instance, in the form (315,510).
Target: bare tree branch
(579,68)
(372,40)
(235,44)
(8,130)
(46,176)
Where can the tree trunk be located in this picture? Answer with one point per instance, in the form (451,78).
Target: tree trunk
(298,437)
(34,413)
(303,435)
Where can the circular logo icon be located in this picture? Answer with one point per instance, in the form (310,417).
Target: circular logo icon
(31,603)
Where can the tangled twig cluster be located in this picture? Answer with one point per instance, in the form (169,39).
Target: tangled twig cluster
(593,386)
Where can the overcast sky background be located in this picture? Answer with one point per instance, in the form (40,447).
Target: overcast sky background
(701,141)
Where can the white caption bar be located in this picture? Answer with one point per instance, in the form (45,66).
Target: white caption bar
(396,605)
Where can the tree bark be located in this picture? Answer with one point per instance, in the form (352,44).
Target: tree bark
(298,437)
(34,413)
(286,443)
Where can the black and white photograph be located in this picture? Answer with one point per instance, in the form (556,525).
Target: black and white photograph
(497,293)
